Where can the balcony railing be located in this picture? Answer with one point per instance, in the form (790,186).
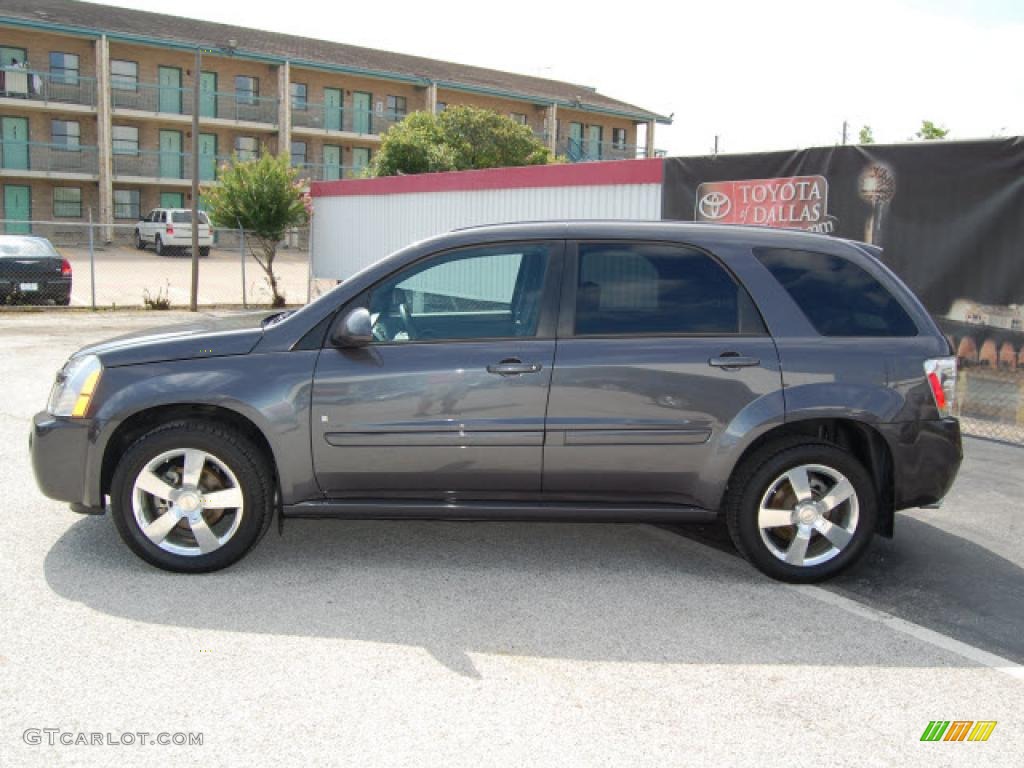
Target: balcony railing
(577,151)
(330,117)
(328,171)
(37,85)
(47,158)
(170,100)
(154,164)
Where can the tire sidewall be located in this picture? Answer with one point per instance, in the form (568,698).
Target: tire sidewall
(746,532)
(255,496)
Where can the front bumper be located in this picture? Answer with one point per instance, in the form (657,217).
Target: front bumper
(60,448)
(926,458)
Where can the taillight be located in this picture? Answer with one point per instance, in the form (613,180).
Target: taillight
(65,268)
(941,375)
(170,230)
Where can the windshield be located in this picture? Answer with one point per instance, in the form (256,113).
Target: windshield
(20,247)
(185,217)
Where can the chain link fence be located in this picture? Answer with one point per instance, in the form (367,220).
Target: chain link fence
(110,268)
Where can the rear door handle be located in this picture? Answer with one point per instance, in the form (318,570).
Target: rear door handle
(513,367)
(729,361)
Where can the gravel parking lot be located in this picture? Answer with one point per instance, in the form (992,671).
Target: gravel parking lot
(387,643)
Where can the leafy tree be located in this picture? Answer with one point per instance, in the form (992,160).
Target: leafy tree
(930,131)
(458,139)
(265,198)
(866,135)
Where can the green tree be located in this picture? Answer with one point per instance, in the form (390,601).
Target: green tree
(929,131)
(866,135)
(264,197)
(458,139)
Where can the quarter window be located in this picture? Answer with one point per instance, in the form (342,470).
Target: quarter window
(838,297)
(67,202)
(126,204)
(124,75)
(477,293)
(652,289)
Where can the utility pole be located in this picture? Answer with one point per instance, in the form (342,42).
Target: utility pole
(844,133)
(193,300)
(716,145)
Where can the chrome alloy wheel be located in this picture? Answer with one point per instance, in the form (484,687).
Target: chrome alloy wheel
(187,502)
(808,515)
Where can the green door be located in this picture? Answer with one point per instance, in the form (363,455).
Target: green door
(575,142)
(17,209)
(170,155)
(15,143)
(332,109)
(360,159)
(170,90)
(208,94)
(207,156)
(594,134)
(332,163)
(172,200)
(362,114)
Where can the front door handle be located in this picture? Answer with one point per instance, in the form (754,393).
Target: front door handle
(513,367)
(731,360)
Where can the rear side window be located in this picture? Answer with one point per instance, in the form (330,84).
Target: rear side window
(652,288)
(837,296)
(185,217)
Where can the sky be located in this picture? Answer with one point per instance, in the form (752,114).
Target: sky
(768,75)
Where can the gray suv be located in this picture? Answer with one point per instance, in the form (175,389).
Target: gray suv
(784,382)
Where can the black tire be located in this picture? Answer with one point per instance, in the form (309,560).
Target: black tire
(139,242)
(204,252)
(756,476)
(158,246)
(245,460)
(64,301)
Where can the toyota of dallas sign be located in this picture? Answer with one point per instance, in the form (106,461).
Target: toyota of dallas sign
(795,202)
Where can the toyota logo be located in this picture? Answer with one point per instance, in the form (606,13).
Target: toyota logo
(714,206)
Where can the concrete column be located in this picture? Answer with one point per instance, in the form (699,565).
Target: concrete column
(431,103)
(104,139)
(552,121)
(650,139)
(284,108)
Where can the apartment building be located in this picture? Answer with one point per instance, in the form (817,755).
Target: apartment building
(96,107)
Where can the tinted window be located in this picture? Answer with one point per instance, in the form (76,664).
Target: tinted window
(656,289)
(836,295)
(185,217)
(476,293)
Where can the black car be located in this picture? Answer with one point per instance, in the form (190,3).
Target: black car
(33,272)
(783,382)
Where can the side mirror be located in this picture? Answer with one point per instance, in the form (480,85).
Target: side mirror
(355,329)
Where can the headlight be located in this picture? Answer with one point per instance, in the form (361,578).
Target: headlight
(74,387)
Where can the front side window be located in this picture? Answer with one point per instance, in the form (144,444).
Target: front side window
(66,134)
(247,89)
(299,96)
(246,147)
(397,106)
(838,297)
(64,67)
(475,293)
(126,204)
(67,202)
(656,289)
(125,139)
(124,75)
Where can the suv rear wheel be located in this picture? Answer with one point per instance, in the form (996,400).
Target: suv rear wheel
(801,511)
(192,497)
(158,246)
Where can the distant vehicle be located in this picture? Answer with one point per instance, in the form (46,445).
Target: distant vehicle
(169,231)
(783,382)
(32,271)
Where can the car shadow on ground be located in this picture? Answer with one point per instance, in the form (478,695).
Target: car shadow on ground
(930,577)
(591,592)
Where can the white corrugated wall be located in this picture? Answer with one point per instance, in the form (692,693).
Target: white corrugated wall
(353,231)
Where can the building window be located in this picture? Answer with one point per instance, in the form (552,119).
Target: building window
(518,117)
(397,106)
(299,96)
(441,106)
(64,67)
(126,204)
(66,134)
(67,202)
(246,147)
(126,139)
(247,89)
(124,75)
(619,138)
(298,153)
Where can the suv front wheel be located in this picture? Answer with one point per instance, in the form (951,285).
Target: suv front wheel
(801,511)
(192,497)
